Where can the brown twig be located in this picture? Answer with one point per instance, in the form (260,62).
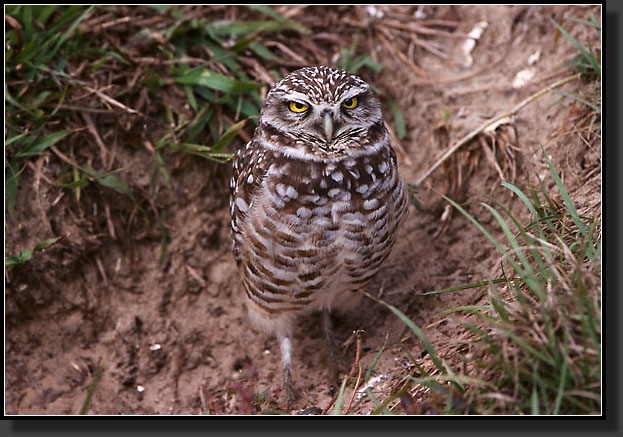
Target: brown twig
(109,222)
(415,28)
(206,401)
(428,46)
(196,276)
(417,70)
(64,157)
(83,109)
(350,374)
(492,121)
(93,130)
(112,101)
(296,59)
(38,176)
(358,363)
(100,267)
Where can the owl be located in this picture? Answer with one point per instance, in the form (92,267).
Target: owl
(316,203)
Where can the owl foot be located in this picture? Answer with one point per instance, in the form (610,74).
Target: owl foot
(288,396)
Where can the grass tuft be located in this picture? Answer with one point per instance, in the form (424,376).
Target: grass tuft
(535,340)
(540,332)
(587,62)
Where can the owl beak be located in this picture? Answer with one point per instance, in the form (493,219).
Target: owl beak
(328,126)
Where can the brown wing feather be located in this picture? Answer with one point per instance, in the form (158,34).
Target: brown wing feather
(249,169)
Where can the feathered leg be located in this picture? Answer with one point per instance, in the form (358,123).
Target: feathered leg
(286,360)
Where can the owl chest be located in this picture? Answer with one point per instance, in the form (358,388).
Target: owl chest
(321,222)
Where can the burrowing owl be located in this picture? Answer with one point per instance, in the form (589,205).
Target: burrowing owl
(316,201)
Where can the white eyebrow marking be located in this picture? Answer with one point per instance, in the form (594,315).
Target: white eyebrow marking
(295,95)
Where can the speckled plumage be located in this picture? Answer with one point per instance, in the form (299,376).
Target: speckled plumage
(316,200)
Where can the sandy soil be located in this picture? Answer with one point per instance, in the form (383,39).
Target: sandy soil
(176,340)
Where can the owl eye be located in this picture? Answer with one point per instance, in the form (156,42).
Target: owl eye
(297,107)
(350,103)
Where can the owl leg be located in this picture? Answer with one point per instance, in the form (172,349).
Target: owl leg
(336,360)
(286,360)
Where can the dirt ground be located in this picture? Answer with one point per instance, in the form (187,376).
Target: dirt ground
(176,340)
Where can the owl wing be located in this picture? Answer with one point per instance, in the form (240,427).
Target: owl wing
(249,169)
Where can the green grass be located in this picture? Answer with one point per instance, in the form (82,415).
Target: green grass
(32,99)
(99,372)
(47,44)
(25,256)
(542,335)
(587,62)
(536,339)
(352,62)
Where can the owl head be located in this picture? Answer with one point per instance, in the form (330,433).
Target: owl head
(322,108)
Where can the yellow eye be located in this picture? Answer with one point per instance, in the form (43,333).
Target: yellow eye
(297,107)
(351,103)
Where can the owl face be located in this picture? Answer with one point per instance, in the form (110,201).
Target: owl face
(324,108)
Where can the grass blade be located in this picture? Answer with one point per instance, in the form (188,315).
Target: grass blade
(588,58)
(374,400)
(373,364)
(528,275)
(468,286)
(96,379)
(527,240)
(45,12)
(399,119)
(491,238)
(418,332)
(534,400)
(579,99)
(217,81)
(382,407)
(229,135)
(563,378)
(340,398)
(111,181)
(243,28)
(570,207)
(466,308)
(276,15)
(27,254)
(499,305)
(68,33)
(45,142)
